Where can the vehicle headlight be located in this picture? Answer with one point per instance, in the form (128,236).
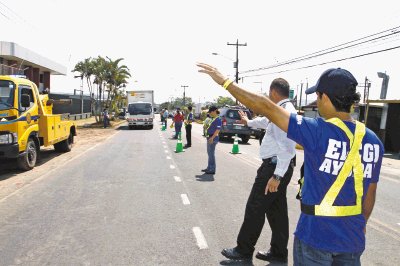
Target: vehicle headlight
(8,138)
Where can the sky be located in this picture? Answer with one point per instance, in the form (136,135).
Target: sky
(161,41)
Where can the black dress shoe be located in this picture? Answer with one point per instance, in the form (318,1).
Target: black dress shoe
(210,173)
(269,256)
(204,170)
(187,146)
(233,254)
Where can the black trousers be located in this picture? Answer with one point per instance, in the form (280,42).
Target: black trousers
(273,206)
(188,129)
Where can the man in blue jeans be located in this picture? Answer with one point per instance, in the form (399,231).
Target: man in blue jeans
(342,162)
(212,139)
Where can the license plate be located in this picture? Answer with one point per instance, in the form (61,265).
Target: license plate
(237,127)
(139,123)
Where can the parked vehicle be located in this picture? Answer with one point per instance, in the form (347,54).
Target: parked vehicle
(140,109)
(230,125)
(27,122)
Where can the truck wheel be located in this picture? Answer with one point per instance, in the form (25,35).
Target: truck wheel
(151,127)
(65,145)
(245,138)
(28,160)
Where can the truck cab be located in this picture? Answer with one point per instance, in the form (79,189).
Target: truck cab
(27,122)
(140,114)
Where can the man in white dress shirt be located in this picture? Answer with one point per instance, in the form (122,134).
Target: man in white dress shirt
(268,195)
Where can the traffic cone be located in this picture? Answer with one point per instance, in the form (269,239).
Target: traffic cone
(235,148)
(179,146)
(163,128)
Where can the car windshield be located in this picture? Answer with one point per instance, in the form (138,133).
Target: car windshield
(7,89)
(139,109)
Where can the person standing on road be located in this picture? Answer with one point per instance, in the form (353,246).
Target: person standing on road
(178,121)
(212,139)
(188,127)
(342,162)
(278,155)
(105,117)
(165,116)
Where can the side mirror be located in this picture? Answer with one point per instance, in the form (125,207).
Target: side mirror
(25,100)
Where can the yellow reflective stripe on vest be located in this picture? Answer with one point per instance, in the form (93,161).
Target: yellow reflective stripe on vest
(352,162)
(209,125)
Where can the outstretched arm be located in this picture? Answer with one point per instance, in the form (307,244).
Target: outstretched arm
(258,103)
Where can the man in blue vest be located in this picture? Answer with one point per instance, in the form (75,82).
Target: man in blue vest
(342,161)
(212,139)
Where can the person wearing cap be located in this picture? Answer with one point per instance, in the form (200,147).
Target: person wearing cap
(212,139)
(342,161)
(188,127)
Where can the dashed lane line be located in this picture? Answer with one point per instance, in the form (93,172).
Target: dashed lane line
(185,199)
(168,158)
(177,179)
(172,166)
(200,239)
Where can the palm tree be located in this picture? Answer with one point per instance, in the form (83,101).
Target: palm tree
(108,76)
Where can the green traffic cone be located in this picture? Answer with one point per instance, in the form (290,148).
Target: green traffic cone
(163,127)
(235,148)
(179,146)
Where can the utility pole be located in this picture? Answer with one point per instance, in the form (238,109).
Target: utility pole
(306,90)
(184,101)
(301,93)
(236,64)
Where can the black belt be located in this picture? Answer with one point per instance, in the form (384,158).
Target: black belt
(308,209)
(273,158)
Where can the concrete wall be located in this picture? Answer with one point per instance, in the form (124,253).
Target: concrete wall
(75,108)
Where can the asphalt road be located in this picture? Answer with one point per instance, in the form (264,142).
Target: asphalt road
(133,201)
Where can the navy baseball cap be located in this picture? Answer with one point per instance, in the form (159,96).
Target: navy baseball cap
(212,108)
(334,81)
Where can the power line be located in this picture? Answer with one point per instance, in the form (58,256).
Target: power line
(332,49)
(324,63)
(12,11)
(4,15)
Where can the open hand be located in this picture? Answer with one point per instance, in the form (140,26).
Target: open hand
(243,117)
(212,72)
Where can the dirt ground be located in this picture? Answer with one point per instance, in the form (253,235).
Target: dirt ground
(12,179)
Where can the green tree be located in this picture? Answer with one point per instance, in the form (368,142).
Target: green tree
(109,76)
(222,101)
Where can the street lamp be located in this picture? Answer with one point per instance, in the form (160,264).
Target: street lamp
(81,90)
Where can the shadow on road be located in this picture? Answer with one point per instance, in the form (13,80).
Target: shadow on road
(9,168)
(236,262)
(133,129)
(205,178)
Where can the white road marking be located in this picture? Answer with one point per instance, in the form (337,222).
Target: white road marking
(164,142)
(172,166)
(185,199)
(165,146)
(398,223)
(177,179)
(200,239)
(168,158)
(166,151)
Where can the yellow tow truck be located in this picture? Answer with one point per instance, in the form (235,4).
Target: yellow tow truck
(27,122)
